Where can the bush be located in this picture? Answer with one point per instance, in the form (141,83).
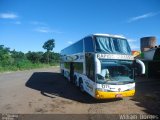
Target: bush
(15,60)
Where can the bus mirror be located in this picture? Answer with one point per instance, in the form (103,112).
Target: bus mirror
(99,76)
(139,67)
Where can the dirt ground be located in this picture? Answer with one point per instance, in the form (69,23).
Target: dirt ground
(46,91)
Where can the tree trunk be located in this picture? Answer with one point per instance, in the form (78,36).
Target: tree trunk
(48,57)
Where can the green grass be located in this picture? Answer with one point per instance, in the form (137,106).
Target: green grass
(24,65)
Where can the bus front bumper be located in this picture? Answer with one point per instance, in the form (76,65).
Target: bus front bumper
(110,95)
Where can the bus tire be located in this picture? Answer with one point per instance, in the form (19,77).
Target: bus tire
(81,86)
(75,80)
(76,83)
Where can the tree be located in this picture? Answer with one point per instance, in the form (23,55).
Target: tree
(17,55)
(49,45)
(5,58)
(34,57)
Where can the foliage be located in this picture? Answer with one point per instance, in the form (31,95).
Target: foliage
(17,60)
(49,45)
(34,57)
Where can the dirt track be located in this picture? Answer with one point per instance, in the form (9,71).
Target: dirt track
(46,91)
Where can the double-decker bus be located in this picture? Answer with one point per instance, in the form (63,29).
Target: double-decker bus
(101,65)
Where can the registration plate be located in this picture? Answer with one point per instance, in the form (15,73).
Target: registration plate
(118,96)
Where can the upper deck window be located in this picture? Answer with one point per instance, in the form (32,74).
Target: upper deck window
(112,45)
(74,48)
(88,44)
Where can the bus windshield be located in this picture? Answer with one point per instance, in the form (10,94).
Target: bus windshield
(111,45)
(115,72)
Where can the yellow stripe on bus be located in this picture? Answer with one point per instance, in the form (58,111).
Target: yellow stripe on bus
(108,95)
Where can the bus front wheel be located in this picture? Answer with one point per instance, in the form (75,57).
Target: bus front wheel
(81,86)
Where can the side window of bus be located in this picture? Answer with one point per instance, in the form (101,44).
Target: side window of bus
(90,69)
(88,41)
(67,65)
(74,48)
(77,47)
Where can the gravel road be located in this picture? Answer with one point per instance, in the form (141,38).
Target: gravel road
(46,91)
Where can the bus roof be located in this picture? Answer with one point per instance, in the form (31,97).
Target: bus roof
(99,34)
(108,35)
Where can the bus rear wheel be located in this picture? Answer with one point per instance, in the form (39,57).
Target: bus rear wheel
(75,80)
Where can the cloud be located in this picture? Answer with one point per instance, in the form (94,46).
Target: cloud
(44,27)
(57,32)
(134,47)
(131,40)
(43,30)
(46,30)
(38,23)
(133,44)
(8,15)
(17,22)
(144,16)
(69,42)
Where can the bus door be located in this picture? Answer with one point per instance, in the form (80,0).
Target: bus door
(90,73)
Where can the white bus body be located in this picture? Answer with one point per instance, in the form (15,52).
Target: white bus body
(101,65)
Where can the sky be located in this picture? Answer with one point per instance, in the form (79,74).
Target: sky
(26,24)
